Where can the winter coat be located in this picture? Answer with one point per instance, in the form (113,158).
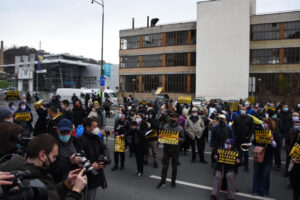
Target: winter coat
(78,115)
(42,122)
(174,127)
(194,127)
(243,127)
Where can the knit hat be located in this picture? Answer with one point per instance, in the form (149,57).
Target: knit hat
(4,113)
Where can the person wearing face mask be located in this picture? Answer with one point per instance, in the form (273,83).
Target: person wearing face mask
(194,127)
(120,129)
(66,111)
(40,126)
(55,118)
(285,116)
(243,128)
(78,113)
(93,148)
(171,151)
(68,146)
(26,124)
(137,130)
(220,132)
(42,151)
(12,107)
(129,120)
(278,134)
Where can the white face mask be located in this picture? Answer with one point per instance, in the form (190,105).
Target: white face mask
(62,107)
(13,107)
(138,120)
(23,107)
(243,112)
(96,131)
(194,114)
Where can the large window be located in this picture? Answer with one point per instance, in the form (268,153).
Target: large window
(193,83)
(265,31)
(291,56)
(193,40)
(176,59)
(264,56)
(176,83)
(151,82)
(152,61)
(153,40)
(130,61)
(292,29)
(176,38)
(129,83)
(132,42)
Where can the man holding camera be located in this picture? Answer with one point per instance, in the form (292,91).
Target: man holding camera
(69,146)
(41,153)
(96,152)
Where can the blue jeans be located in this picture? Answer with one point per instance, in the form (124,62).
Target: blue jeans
(261,177)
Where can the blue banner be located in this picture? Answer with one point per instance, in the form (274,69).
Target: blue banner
(107,69)
(102,81)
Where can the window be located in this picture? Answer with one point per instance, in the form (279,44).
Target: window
(193,59)
(152,61)
(265,31)
(154,40)
(264,56)
(130,61)
(291,56)
(151,82)
(176,38)
(129,83)
(176,59)
(132,42)
(292,30)
(193,83)
(176,83)
(193,41)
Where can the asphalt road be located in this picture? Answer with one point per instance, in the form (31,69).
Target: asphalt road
(194,180)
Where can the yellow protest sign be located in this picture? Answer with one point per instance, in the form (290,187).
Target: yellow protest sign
(158,91)
(13,95)
(295,153)
(234,106)
(251,99)
(119,144)
(263,136)
(184,99)
(227,156)
(168,137)
(152,134)
(23,116)
(270,108)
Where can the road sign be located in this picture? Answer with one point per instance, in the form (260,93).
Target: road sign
(102,81)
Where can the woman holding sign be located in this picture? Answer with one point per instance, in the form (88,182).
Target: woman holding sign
(23,117)
(265,144)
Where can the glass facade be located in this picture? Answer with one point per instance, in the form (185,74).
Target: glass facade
(292,56)
(176,59)
(265,31)
(292,30)
(264,56)
(176,38)
(130,61)
(151,82)
(153,40)
(132,42)
(152,61)
(129,83)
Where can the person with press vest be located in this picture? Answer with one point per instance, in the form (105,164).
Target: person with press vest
(171,151)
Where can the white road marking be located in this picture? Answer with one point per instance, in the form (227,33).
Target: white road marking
(210,188)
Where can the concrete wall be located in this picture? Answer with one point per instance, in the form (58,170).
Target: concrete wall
(222,67)
(276,17)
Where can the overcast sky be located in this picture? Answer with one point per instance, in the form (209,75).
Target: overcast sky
(74,26)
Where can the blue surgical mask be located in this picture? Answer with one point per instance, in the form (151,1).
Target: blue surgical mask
(64,138)
(297,128)
(274,116)
(285,109)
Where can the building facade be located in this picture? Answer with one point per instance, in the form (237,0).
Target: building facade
(214,56)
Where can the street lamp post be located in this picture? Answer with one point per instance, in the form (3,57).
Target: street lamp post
(102,70)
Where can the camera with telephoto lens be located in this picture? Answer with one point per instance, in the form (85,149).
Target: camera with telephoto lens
(23,188)
(86,164)
(104,159)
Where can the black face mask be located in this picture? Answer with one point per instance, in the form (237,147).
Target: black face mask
(45,166)
(173,121)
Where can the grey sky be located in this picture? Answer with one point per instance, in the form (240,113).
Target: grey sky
(74,26)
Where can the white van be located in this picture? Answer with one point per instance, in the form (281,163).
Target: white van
(67,93)
(112,95)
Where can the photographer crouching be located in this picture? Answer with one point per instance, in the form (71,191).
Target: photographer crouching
(97,152)
(42,151)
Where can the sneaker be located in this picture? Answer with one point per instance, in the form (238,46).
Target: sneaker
(155,165)
(173,184)
(114,168)
(160,185)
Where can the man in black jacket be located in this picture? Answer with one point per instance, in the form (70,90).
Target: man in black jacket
(55,118)
(41,153)
(66,111)
(94,148)
(243,128)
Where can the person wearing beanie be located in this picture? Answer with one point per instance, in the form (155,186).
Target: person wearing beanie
(5,115)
